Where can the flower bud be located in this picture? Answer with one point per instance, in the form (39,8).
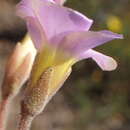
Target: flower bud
(18,67)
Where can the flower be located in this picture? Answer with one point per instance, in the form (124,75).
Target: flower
(62,38)
(18,67)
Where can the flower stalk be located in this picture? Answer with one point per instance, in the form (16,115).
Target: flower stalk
(25,122)
(4,106)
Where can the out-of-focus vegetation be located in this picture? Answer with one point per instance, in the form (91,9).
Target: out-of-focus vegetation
(90,99)
(103,98)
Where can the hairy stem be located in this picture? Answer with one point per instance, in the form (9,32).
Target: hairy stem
(4,107)
(25,122)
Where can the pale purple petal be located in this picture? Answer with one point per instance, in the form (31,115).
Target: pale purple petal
(54,18)
(105,62)
(28,8)
(77,43)
(23,9)
(57,20)
(36,32)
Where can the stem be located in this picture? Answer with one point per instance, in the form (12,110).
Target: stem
(4,107)
(25,122)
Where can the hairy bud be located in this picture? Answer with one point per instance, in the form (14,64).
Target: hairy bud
(18,67)
(38,96)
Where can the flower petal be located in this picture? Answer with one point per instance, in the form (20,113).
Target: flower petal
(105,62)
(53,18)
(23,10)
(77,43)
(36,32)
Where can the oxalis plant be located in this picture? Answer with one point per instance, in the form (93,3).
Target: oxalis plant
(61,37)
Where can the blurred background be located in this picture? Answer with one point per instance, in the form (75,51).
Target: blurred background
(90,99)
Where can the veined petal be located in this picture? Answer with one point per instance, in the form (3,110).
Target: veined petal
(77,43)
(66,20)
(54,18)
(105,62)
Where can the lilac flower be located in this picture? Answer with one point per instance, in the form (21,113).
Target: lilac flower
(62,38)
